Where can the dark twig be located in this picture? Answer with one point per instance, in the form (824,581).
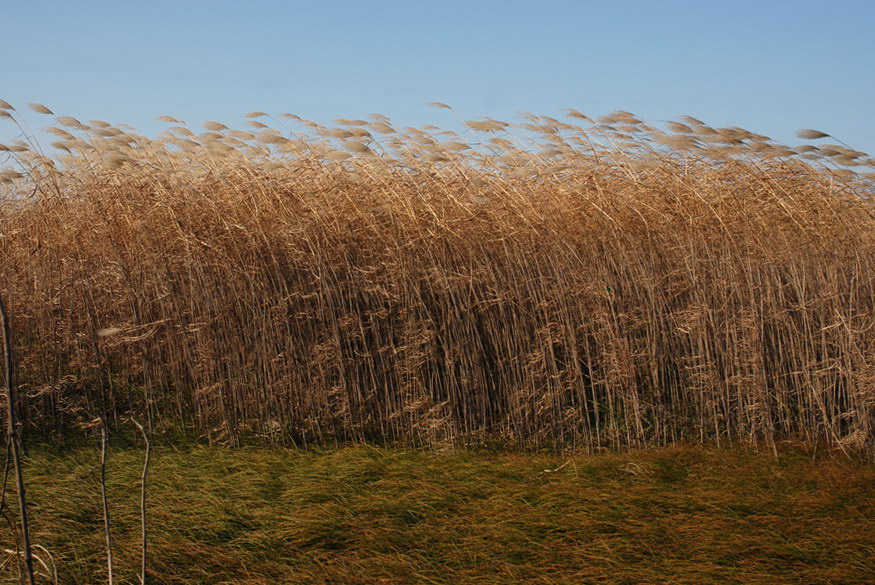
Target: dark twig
(12,438)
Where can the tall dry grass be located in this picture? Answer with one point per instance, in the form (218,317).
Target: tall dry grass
(598,284)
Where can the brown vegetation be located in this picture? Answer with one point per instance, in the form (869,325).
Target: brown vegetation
(611,284)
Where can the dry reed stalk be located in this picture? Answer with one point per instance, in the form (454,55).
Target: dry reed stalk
(144,480)
(105,503)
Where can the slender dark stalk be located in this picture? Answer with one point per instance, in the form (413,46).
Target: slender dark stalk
(13,529)
(5,476)
(106,528)
(12,438)
(144,480)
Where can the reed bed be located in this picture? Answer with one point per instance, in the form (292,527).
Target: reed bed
(582,284)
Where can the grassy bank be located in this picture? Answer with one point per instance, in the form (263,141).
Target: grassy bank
(363,515)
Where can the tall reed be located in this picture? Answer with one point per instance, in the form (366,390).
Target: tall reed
(601,284)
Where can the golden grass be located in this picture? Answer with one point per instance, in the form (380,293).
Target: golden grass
(610,285)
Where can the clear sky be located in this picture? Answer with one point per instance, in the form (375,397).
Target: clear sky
(771,66)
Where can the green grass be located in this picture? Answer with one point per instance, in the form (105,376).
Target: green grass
(365,515)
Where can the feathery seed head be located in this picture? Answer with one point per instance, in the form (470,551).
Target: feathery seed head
(170,120)
(808,134)
(40,109)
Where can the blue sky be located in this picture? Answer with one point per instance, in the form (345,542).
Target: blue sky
(771,66)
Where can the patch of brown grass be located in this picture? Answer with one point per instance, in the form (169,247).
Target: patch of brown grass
(543,283)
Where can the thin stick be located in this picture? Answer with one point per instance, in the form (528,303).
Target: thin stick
(13,440)
(103,496)
(5,476)
(144,478)
(12,527)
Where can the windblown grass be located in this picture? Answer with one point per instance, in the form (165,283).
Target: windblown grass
(354,516)
(597,284)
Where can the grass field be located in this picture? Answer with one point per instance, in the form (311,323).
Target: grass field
(364,515)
